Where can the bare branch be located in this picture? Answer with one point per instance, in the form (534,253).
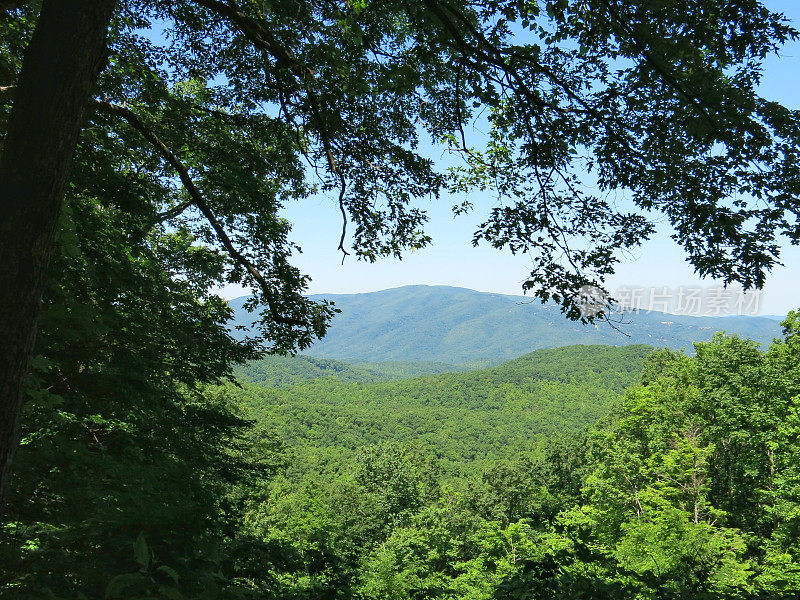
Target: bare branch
(342,189)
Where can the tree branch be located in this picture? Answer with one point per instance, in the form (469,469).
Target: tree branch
(497,58)
(263,39)
(668,78)
(174,211)
(342,190)
(198,201)
(195,198)
(259,36)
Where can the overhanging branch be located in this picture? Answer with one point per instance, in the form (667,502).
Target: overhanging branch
(484,50)
(195,199)
(668,78)
(258,35)
(174,211)
(198,201)
(263,39)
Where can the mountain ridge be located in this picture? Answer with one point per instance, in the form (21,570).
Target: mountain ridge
(458,326)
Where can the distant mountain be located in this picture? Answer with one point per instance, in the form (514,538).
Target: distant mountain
(459,326)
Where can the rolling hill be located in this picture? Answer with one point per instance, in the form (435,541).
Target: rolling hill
(281,371)
(464,418)
(457,326)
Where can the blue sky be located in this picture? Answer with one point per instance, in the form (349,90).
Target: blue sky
(451,259)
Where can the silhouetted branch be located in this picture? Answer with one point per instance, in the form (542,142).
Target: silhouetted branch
(263,39)
(198,201)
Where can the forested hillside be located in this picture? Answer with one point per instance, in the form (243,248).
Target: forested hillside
(459,326)
(484,485)
(462,418)
(280,370)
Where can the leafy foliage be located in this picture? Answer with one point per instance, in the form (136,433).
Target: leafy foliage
(580,99)
(124,437)
(291,370)
(684,490)
(139,476)
(463,417)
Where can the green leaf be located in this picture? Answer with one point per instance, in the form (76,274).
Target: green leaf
(141,552)
(120,583)
(169,571)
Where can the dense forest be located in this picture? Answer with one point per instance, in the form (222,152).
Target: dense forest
(686,488)
(276,370)
(580,472)
(463,418)
(153,448)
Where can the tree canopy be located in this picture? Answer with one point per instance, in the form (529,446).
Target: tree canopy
(219,113)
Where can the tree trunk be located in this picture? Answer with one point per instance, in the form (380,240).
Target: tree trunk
(60,67)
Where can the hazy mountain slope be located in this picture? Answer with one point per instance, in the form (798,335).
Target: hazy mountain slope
(456,326)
